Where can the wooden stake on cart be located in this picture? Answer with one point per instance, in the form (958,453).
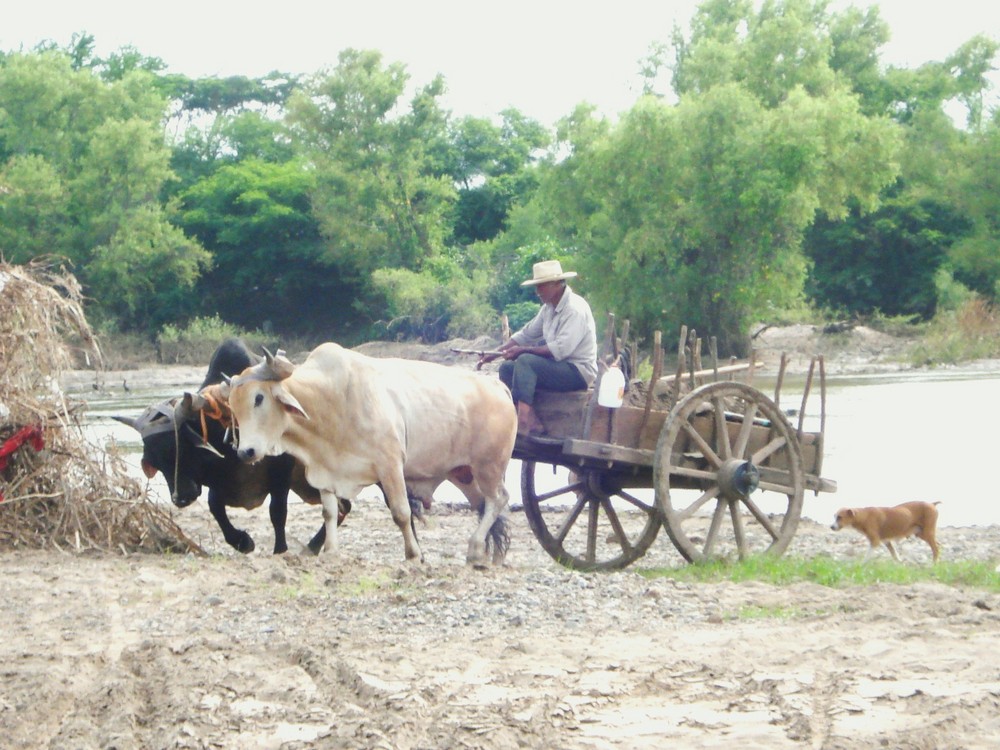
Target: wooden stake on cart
(657,369)
(695,359)
(588,418)
(821,438)
(805,394)
(781,379)
(676,390)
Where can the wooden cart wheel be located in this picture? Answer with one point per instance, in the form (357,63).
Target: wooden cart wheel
(588,519)
(728,474)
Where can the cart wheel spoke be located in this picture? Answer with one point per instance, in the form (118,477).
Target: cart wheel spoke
(706,449)
(740,448)
(738,531)
(636,502)
(570,520)
(685,471)
(761,517)
(713,529)
(572,487)
(593,523)
(710,494)
(768,450)
(616,525)
(721,430)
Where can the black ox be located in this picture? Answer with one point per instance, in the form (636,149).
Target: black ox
(173,443)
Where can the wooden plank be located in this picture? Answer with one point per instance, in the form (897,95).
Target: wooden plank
(608,452)
(738,367)
(563,413)
(820,484)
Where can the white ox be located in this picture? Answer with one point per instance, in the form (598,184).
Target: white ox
(355,421)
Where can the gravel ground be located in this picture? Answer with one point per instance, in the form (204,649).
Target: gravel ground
(360,650)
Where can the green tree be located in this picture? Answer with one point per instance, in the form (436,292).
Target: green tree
(146,270)
(886,261)
(494,168)
(34,209)
(889,261)
(270,269)
(695,213)
(222,121)
(94,150)
(975,258)
(381,197)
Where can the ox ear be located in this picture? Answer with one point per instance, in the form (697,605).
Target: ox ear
(188,407)
(194,402)
(289,403)
(278,364)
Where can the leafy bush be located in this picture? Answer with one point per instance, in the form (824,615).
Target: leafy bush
(435,304)
(197,341)
(520,313)
(951,294)
(970,332)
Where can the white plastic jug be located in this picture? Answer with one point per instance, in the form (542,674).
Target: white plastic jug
(612,390)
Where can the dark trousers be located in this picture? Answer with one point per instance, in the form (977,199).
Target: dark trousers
(529,371)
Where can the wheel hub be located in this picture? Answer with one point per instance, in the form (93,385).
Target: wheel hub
(594,481)
(737,479)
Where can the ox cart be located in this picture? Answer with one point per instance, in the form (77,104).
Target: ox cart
(702,452)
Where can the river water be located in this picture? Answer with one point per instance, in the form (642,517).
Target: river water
(890,438)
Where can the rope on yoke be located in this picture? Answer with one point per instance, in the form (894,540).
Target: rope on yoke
(215,408)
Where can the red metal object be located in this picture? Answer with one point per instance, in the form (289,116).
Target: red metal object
(31,435)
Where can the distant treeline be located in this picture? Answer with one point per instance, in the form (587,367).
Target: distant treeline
(773,168)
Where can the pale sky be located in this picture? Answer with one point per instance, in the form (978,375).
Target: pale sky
(540,56)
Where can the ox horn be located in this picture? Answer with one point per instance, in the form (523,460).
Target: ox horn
(278,364)
(200,441)
(130,421)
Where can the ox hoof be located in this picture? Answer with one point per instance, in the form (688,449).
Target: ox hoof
(479,562)
(243,543)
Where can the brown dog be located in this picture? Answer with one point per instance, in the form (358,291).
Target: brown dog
(882,525)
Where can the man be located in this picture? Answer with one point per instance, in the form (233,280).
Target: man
(556,350)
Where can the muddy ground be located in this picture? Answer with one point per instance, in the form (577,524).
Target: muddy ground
(360,650)
(364,651)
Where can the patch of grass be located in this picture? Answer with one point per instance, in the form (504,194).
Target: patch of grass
(757,612)
(836,573)
(307,585)
(366,586)
(970,332)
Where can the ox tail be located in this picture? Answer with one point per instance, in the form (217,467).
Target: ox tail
(498,540)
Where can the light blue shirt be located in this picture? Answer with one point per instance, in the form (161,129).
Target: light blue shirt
(568,330)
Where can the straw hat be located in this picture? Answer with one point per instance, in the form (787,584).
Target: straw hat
(546,271)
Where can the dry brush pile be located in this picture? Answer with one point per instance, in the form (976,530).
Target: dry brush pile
(57,490)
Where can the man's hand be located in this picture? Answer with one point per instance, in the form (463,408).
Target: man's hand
(513,352)
(485,358)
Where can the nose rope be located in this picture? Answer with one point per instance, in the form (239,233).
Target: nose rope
(177,455)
